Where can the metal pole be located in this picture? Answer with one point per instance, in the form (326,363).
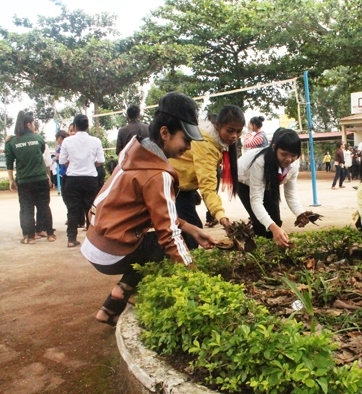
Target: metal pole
(311,146)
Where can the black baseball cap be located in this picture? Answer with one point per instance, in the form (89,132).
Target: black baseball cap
(183,108)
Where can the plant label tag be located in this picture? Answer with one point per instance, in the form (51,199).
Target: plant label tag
(297,305)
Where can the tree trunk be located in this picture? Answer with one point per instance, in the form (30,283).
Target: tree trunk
(96,121)
(5,115)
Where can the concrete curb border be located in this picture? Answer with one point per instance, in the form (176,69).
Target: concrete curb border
(147,373)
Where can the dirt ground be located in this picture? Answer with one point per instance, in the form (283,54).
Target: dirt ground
(49,339)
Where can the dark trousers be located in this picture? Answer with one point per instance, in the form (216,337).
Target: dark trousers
(209,217)
(186,210)
(148,250)
(339,175)
(355,171)
(328,166)
(79,193)
(31,195)
(271,204)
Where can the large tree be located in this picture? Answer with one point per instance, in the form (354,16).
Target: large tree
(73,53)
(240,44)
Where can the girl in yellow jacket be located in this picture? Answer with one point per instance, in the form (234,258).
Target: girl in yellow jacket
(196,169)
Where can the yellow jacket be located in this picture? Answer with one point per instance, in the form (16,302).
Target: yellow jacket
(196,169)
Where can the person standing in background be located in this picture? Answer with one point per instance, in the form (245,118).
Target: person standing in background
(339,166)
(111,165)
(355,164)
(26,149)
(71,129)
(255,137)
(54,171)
(327,161)
(40,226)
(81,153)
(134,127)
(347,163)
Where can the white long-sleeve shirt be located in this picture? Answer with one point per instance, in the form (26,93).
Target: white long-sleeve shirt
(81,151)
(347,158)
(253,176)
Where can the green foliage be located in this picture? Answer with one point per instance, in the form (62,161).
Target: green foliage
(224,44)
(240,44)
(4,184)
(5,122)
(232,342)
(72,53)
(330,99)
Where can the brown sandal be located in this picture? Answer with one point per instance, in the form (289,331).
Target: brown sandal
(28,241)
(40,234)
(72,244)
(51,238)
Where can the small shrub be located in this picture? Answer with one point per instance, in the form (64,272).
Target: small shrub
(234,341)
(4,184)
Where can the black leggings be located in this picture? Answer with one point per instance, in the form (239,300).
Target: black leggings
(148,250)
(270,204)
(186,210)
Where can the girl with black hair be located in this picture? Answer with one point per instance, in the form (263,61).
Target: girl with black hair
(26,149)
(255,137)
(197,168)
(261,172)
(140,196)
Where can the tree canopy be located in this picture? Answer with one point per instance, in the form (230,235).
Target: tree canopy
(246,43)
(224,45)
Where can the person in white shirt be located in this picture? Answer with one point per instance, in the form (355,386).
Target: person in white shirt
(261,171)
(347,162)
(82,153)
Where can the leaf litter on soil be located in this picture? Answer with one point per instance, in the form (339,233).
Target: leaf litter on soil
(336,285)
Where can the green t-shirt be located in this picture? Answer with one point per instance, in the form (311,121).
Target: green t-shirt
(27,153)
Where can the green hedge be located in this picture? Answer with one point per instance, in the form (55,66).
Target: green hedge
(233,342)
(4,184)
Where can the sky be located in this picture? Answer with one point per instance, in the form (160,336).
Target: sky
(129,12)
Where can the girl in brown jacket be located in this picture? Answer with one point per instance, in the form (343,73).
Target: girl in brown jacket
(140,196)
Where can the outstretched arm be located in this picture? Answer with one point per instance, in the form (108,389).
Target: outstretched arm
(204,239)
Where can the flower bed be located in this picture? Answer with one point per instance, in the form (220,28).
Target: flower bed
(233,324)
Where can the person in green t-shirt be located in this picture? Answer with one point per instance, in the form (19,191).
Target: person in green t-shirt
(26,149)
